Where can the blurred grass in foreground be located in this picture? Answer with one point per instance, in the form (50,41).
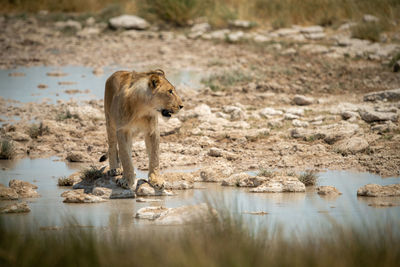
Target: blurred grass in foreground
(279,13)
(226,241)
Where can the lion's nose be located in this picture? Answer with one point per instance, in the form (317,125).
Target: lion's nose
(180,107)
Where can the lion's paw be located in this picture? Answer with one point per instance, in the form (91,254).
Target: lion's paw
(114,172)
(156,181)
(125,183)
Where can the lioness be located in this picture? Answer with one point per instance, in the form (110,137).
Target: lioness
(132,101)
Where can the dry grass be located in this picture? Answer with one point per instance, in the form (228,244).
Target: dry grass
(224,242)
(278,13)
(91,173)
(34,131)
(308,178)
(7,150)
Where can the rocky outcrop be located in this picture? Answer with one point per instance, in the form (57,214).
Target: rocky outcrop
(128,22)
(20,207)
(302,100)
(243,180)
(178,181)
(7,193)
(145,189)
(79,196)
(329,133)
(389,95)
(280,184)
(352,145)
(24,189)
(369,115)
(177,216)
(375,190)
(327,190)
(214,174)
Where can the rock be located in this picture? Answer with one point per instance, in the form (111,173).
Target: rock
(87,112)
(352,145)
(90,21)
(328,191)
(20,137)
(299,123)
(346,115)
(261,38)
(236,113)
(177,216)
(150,213)
(128,22)
(24,189)
(390,95)
(76,156)
(388,126)
(285,32)
(146,190)
(102,192)
(68,24)
(88,32)
(20,207)
(178,181)
(315,36)
(79,196)
(369,115)
(42,86)
(289,116)
(375,190)
(295,111)
(214,174)
(7,193)
(243,180)
(215,152)
(170,126)
(302,100)
(218,35)
(234,37)
(289,51)
(56,74)
(312,29)
(329,133)
(267,112)
(201,28)
(370,18)
(142,200)
(280,184)
(241,23)
(382,204)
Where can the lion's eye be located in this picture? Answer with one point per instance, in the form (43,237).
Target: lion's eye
(170,91)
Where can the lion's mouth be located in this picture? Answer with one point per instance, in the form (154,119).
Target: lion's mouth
(166,112)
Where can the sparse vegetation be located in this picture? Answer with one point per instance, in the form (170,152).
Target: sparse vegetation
(65,181)
(64,115)
(225,242)
(367,30)
(91,173)
(278,13)
(393,62)
(308,178)
(35,130)
(265,173)
(7,150)
(218,82)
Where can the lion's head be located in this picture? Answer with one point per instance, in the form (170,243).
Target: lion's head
(165,96)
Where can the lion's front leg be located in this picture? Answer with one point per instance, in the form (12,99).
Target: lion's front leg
(128,180)
(153,150)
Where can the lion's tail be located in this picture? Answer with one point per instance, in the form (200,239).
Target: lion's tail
(103,158)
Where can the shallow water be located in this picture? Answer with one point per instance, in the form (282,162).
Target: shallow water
(25,88)
(293,211)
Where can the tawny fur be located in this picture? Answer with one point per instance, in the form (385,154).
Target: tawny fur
(132,102)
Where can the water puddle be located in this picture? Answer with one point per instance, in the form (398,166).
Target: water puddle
(294,211)
(49,84)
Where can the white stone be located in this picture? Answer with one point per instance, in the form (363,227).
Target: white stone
(129,22)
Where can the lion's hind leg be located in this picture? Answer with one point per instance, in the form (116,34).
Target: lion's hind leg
(112,147)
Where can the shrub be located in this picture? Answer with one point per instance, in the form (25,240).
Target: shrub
(308,178)
(91,174)
(35,130)
(7,149)
(265,173)
(220,81)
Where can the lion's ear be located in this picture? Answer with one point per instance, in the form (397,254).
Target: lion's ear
(154,81)
(160,72)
